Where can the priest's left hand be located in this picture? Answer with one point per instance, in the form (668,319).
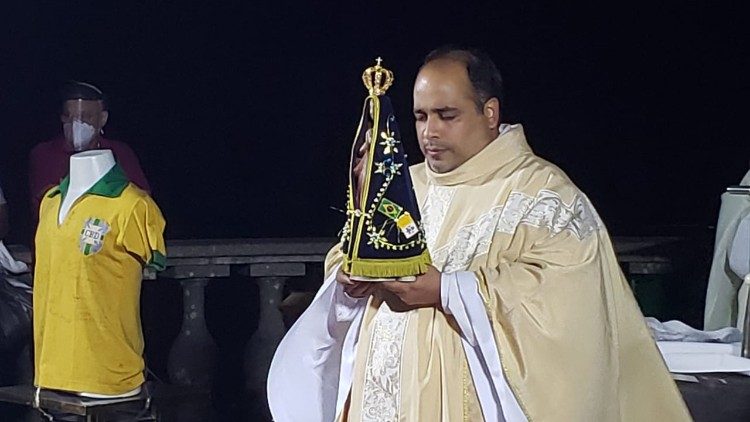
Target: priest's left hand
(421,293)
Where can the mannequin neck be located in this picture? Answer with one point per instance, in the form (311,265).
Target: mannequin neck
(86,168)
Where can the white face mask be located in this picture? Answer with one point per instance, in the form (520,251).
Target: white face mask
(82,134)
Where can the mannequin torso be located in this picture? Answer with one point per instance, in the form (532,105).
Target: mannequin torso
(86,169)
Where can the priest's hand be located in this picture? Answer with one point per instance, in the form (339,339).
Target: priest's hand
(355,289)
(422,293)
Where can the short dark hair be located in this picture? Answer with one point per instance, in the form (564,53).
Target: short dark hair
(77,90)
(484,76)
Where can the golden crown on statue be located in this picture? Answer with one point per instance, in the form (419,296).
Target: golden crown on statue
(377,79)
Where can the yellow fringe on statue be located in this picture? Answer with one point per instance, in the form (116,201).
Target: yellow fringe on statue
(388,268)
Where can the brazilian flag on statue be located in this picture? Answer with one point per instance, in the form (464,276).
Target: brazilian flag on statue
(383,238)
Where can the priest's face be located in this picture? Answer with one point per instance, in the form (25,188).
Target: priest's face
(450,126)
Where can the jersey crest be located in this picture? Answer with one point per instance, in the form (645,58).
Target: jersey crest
(92,235)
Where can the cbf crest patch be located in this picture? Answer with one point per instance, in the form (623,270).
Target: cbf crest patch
(92,235)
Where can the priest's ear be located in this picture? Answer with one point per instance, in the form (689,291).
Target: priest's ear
(491,111)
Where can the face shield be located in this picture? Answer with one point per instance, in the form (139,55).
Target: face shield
(81,120)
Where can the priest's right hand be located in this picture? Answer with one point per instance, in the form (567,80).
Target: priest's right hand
(355,289)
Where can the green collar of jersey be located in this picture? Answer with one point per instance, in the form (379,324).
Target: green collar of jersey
(110,185)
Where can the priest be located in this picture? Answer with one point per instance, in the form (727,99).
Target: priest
(524,313)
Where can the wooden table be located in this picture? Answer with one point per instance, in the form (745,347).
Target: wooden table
(718,397)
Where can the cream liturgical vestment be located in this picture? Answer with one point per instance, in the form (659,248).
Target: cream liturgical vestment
(539,322)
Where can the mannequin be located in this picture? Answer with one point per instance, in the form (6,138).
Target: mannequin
(86,169)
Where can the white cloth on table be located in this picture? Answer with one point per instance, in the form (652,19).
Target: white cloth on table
(679,331)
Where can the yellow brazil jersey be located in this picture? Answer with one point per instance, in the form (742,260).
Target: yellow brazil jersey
(87,283)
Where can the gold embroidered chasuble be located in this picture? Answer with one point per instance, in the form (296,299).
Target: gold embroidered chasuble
(571,338)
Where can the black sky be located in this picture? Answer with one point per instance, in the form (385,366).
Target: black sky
(243,112)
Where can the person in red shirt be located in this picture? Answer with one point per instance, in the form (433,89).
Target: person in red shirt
(84,114)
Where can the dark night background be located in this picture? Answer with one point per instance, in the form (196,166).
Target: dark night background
(242,112)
